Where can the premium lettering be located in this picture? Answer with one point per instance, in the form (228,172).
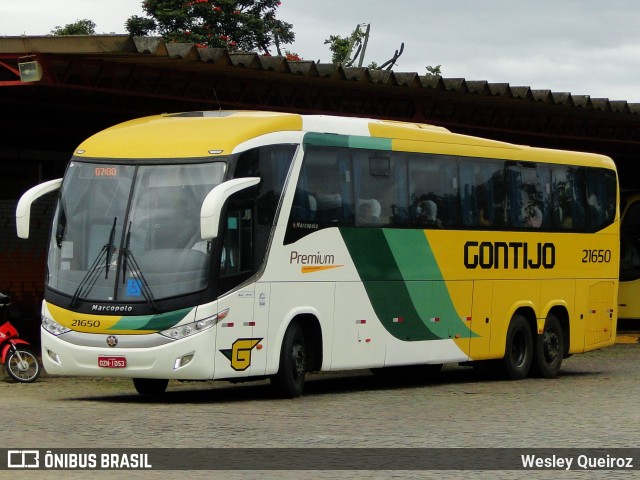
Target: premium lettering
(297,258)
(509,255)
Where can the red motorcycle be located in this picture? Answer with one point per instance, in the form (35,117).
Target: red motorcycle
(20,362)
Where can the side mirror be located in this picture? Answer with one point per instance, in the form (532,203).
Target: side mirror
(4,300)
(23,210)
(215,200)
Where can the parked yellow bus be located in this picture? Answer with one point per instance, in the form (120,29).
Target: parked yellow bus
(628,295)
(237,245)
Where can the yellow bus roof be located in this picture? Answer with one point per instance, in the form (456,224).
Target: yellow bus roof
(198,134)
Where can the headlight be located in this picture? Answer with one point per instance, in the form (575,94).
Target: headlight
(188,329)
(53,327)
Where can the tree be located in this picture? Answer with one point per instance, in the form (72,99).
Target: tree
(434,71)
(234,24)
(79,27)
(140,26)
(342,47)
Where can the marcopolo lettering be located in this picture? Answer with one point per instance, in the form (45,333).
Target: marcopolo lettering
(509,255)
(111,308)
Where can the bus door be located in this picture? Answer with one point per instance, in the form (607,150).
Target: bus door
(236,339)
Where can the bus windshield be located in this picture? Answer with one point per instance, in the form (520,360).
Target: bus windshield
(131,233)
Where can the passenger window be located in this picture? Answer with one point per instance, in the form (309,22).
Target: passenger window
(601,197)
(323,196)
(379,188)
(567,198)
(433,191)
(526,196)
(482,193)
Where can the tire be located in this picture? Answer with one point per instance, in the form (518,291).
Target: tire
(289,381)
(22,365)
(150,386)
(549,349)
(519,349)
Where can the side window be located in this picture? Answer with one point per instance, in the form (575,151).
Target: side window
(526,196)
(251,215)
(433,191)
(237,246)
(482,193)
(380,188)
(324,194)
(271,164)
(327,180)
(601,197)
(567,203)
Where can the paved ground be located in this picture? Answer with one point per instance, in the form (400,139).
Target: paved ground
(593,404)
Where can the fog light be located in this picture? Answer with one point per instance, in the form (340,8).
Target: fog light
(54,357)
(183,360)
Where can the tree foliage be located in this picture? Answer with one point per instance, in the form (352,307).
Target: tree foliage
(434,71)
(346,50)
(342,47)
(79,27)
(234,24)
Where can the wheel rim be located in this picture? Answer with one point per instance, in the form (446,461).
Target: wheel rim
(25,369)
(297,361)
(551,346)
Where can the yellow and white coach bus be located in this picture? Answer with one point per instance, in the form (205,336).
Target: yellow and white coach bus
(236,245)
(628,293)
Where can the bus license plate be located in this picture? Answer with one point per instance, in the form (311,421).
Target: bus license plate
(112,362)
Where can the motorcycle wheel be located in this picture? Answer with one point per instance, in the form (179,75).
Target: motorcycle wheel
(22,365)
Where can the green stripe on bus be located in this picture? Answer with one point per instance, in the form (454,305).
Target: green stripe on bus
(351,141)
(157,323)
(431,299)
(384,284)
(413,255)
(390,264)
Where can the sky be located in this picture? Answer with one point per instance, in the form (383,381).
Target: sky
(585,47)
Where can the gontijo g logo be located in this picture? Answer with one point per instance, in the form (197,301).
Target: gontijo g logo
(240,353)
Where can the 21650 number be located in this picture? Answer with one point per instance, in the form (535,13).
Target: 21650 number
(86,323)
(596,256)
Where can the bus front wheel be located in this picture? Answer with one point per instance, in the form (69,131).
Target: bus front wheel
(549,349)
(150,386)
(519,349)
(289,381)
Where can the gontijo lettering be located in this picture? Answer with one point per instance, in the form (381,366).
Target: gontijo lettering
(505,255)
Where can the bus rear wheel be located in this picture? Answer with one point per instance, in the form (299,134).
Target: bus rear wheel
(150,386)
(518,354)
(289,381)
(549,349)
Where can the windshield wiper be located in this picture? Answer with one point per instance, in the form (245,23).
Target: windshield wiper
(136,272)
(91,277)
